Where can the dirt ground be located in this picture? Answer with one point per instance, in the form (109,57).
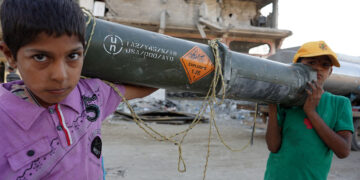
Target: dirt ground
(130,154)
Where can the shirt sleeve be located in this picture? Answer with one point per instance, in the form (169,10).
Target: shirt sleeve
(345,119)
(110,98)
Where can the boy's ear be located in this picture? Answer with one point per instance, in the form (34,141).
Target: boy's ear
(8,55)
(331,71)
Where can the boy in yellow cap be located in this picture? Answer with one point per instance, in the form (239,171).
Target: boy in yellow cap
(302,140)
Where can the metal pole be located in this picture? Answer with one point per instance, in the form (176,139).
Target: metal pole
(275,14)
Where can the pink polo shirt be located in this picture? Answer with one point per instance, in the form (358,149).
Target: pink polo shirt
(59,142)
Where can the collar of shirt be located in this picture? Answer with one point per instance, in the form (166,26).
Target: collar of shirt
(25,113)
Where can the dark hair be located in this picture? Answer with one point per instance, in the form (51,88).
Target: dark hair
(23,20)
(301,58)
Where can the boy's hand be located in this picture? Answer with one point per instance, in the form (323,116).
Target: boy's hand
(273,109)
(273,132)
(313,98)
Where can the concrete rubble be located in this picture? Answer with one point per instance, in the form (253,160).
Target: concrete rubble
(224,112)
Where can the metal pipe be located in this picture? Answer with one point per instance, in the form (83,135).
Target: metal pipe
(163,16)
(275,14)
(124,54)
(261,80)
(343,81)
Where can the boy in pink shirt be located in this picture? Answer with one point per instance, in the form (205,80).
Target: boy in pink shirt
(50,123)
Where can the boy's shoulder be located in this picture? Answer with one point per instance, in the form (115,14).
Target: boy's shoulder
(336,101)
(11,105)
(5,88)
(92,89)
(90,85)
(334,97)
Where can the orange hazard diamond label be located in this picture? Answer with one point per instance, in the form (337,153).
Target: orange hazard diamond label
(196,64)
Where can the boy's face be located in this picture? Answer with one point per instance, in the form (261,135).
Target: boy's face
(321,64)
(50,66)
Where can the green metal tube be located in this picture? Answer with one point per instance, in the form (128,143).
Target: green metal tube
(119,53)
(124,54)
(261,80)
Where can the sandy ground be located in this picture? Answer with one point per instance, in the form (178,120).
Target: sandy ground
(130,154)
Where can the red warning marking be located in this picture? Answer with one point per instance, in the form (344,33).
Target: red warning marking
(196,64)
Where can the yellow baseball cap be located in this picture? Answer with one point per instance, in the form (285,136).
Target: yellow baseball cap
(316,48)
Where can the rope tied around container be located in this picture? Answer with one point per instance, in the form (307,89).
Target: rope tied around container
(91,18)
(214,44)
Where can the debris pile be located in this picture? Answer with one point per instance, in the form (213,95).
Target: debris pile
(171,108)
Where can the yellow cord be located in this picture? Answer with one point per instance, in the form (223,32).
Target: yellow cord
(91,17)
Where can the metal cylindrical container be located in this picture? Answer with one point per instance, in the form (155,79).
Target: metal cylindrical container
(123,54)
(346,79)
(258,79)
(119,53)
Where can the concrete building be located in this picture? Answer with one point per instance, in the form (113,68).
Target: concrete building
(239,23)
